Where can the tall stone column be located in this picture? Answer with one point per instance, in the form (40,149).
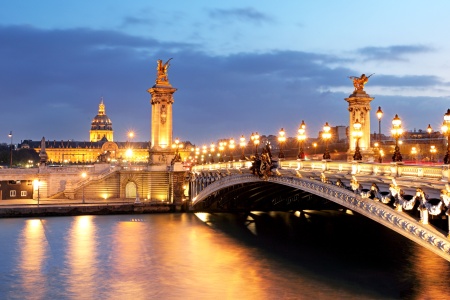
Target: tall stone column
(161,122)
(359,111)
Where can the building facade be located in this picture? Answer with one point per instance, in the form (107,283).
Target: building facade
(100,147)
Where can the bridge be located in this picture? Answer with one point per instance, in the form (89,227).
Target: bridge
(409,199)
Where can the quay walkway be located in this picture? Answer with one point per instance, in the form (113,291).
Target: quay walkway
(63,207)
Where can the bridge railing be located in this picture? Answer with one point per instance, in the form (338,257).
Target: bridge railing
(435,172)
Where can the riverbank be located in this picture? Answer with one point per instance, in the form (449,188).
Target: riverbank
(55,207)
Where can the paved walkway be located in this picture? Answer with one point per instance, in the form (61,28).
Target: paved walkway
(62,202)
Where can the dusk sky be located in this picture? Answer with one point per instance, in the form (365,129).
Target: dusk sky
(239,66)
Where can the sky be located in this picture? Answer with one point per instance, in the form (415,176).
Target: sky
(239,66)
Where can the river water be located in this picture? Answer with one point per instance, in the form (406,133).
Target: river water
(214,256)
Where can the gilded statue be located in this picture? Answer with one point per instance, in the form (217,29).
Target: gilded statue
(359,82)
(161,71)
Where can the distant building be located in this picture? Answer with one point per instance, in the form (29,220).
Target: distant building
(100,147)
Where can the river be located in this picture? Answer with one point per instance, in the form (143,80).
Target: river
(214,256)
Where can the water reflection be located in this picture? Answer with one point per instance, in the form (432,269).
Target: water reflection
(130,260)
(249,256)
(32,247)
(82,257)
(428,272)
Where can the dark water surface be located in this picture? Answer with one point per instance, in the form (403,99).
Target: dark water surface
(214,256)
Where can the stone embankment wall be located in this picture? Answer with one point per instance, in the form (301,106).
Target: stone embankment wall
(75,210)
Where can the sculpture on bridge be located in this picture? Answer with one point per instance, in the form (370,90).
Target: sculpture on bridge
(377,195)
(263,166)
(359,82)
(161,71)
(402,200)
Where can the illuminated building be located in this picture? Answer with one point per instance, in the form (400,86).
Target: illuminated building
(101,127)
(100,147)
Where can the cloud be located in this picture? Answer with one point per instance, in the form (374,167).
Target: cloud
(240,14)
(392,53)
(52,81)
(407,81)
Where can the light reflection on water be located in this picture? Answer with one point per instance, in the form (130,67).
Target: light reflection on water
(176,256)
(32,248)
(81,256)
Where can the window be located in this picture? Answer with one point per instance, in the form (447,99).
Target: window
(23,193)
(12,193)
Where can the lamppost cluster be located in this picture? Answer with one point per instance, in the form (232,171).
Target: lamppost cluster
(281,141)
(177,146)
(396,132)
(326,136)
(446,131)
(380,151)
(242,145)
(301,137)
(255,139)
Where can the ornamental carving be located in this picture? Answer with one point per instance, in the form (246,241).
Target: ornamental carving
(163,114)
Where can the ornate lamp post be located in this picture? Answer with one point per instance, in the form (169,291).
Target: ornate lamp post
(429,130)
(301,138)
(231,145)
(326,135)
(255,139)
(396,132)
(432,152)
(83,175)
(212,149)
(37,185)
(357,134)
(177,145)
(379,116)
(204,150)
(315,148)
(414,153)
(222,146)
(10,135)
(281,140)
(446,131)
(242,144)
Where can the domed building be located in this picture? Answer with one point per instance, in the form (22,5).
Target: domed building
(101,126)
(100,147)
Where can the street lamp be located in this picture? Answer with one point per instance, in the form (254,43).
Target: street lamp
(281,140)
(212,149)
(301,138)
(83,175)
(37,184)
(129,155)
(429,130)
(255,138)
(231,145)
(315,149)
(222,146)
(204,150)
(446,131)
(177,145)
(414,153)
(10,135)
(242,144)
(326,135)
(357,134)
(396,132)
(379,116)
(433,151)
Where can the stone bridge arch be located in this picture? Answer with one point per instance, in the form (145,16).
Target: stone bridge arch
(425,235)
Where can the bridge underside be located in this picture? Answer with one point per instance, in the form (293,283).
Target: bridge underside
(263,196)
